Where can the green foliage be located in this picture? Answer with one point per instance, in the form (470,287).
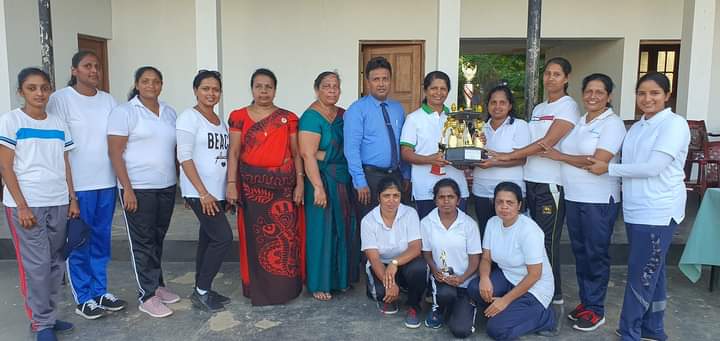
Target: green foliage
(491,69)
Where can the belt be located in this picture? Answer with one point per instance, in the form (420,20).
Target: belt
(369,168)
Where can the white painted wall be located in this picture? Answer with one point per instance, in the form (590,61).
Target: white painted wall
(5,92)
(69,17)
(23,41)
(713,116)
(160,33)
(299,39)
(631,21)
(589,57)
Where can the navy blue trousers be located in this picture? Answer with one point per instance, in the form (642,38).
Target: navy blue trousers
(645,298)
(590,227)
(87,265)
(523,316)
(424,207)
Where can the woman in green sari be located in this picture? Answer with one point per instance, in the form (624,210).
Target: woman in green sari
(332,235)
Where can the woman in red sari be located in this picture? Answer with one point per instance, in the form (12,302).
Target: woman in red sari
(264,183)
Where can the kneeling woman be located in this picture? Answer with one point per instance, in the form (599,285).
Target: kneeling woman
(451,246)
(390,236)
(516,294)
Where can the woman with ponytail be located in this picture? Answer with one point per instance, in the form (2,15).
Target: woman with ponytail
(85,109)
(141,140)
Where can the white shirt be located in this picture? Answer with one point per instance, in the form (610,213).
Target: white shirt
(458,242)
(422,131)
(87,118)
(39,162)
(540,169)
(392,241)
(604,132)
(658,199)
(209,153)
(515,247)
(505,139)
(150,152)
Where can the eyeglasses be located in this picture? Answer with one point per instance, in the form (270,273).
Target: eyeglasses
(212,72)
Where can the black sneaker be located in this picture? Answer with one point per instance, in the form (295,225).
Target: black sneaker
(588,321)
(205,302)
(219,298)
(110,302)
(642,338)
(574,315)
(90,310)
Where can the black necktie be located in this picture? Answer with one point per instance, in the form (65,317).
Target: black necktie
(391,136)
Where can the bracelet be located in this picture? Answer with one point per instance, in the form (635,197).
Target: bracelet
(75,198)
(204,195)
(232,181)
(301,174)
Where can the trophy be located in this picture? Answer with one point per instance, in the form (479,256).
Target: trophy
(442,146)
(444,268)
(462,135)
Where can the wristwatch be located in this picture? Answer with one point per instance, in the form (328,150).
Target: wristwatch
(394,262)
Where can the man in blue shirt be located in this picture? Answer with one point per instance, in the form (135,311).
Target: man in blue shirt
(372,136)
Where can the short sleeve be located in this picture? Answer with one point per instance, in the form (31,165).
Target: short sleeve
(533,245)
(292,122)
(69,144)
(488,237)
(611,136)
(521,138)
(568,111)
(412,225)
(118,122)
(8,131)
(55,107)
(408,136)
(310,122)
(187,121)
(673,137)
(368,238)
(426,233)
(473,243)
(236,120)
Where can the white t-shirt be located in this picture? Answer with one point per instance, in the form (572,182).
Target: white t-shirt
(605,132)
(39,162)
(392,241)
(458,241)
(150,153)
(422,131)
(656,200)
(87,118)
(209,153)
(505,139)
(540,169)
(514,248)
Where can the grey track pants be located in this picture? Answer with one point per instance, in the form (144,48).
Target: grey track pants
(39,252)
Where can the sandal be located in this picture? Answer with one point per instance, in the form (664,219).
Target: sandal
(322,296)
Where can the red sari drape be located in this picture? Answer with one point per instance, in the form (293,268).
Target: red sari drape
(271,227)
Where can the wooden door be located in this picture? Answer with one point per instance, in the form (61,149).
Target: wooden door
(662,57)
(99,46)
(407,61)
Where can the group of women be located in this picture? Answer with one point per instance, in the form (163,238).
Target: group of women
(297,215)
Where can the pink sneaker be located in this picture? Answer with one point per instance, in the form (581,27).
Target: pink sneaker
(166,296)
(155,308)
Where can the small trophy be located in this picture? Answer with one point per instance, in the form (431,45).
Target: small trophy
(444,268)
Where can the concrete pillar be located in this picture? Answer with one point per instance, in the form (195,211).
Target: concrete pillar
(208,42)
(631,48)
(696,58)
(5,79)
(448,47)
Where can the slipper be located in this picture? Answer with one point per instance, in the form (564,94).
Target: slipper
(322,296)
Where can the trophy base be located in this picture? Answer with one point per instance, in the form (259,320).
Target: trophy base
(465,156)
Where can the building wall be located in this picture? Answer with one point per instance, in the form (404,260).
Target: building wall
(590,57)
(162,34)
(299,39)
(5,88)
(23,43)
(630,21)
(713,117)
